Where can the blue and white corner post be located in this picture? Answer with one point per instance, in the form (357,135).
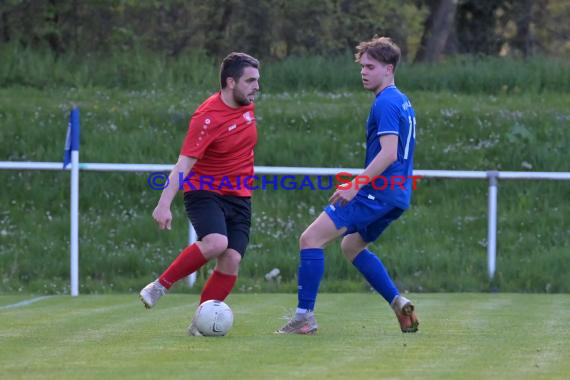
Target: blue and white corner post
(72,156)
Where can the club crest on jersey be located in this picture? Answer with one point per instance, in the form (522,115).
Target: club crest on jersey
(248,117)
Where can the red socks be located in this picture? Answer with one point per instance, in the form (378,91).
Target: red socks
(218,286)
(188,261)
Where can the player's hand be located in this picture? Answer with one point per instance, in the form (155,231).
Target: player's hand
(343,196)
(163,217)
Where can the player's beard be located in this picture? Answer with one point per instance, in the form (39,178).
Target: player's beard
(240,98)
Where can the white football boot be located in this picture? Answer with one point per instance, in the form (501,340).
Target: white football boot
(151,293)
(406,314)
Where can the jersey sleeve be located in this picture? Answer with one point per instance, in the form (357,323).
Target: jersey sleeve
(201,133)
(388,118)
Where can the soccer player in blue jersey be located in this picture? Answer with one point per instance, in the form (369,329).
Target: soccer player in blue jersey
(361,210)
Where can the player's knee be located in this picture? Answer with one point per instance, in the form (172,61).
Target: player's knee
(213,245)
(311,239)
(346,249)
(350,249)
(307,240)
(229,262)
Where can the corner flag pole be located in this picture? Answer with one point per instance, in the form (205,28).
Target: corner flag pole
(72,155)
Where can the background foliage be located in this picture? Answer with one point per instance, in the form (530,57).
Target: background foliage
(275,29)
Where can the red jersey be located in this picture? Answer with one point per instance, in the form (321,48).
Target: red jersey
(222,139)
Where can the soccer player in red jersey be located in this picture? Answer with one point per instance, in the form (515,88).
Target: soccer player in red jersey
(213,167)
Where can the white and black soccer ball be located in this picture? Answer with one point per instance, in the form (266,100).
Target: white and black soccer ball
(214,318)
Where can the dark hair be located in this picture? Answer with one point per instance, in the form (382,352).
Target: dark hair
(233,65)
(382,49)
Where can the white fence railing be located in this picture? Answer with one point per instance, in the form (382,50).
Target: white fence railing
(491,176)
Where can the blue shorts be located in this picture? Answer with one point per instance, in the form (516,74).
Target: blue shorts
(368,217)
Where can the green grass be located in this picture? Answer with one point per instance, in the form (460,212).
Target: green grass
(139,69)
(465,336)
(439,245)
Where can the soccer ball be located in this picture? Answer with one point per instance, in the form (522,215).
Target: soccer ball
(214,318)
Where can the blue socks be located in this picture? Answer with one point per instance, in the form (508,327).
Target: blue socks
(312,267)
(309,276)
(375,273)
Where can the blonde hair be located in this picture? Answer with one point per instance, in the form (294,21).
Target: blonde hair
(382,49)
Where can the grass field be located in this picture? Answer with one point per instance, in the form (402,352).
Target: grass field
(462,336)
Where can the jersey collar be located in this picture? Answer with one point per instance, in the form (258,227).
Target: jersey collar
(385,88)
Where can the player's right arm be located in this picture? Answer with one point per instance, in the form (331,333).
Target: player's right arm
(162,214)
(202,131)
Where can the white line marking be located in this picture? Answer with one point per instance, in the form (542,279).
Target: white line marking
(24,303)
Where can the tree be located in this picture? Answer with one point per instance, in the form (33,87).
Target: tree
(438,26)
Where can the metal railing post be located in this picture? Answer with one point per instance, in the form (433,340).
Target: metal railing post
(492,224)
(192,237)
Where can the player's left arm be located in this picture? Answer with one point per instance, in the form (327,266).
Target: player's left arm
(386,157)
(387,115)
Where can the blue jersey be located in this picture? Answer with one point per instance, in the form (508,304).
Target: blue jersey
(392,114)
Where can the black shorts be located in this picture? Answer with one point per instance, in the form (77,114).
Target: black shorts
(212,213)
